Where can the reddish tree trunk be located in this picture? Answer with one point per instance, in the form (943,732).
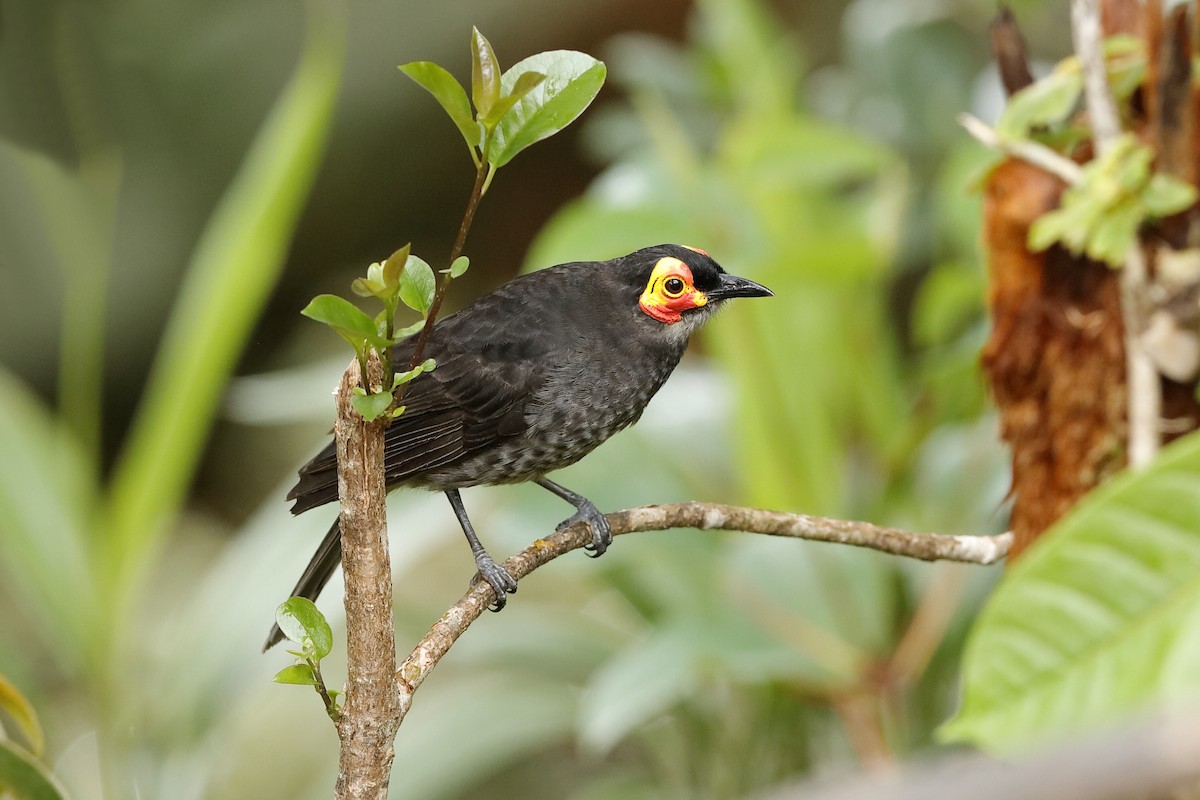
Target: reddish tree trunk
(1055,359)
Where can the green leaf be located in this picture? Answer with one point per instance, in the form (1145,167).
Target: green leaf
(296,675)
(21,711)
(394,266)
(406,376)
(25,776)
(303,623)
(351,322)
(1099,621)
(1100,215)
(572,81)
(370,406)
(449,93)
(1048,229)
(409,330)
(397,411)
(1042,103)
(524,85)
(1125,58)
(459,267)
(368,286)
(485,74)
(1165,195)
(1115,233)
(417,285)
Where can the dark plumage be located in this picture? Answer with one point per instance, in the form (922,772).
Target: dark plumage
(530,378)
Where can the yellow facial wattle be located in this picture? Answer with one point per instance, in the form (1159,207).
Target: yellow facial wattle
(670,291)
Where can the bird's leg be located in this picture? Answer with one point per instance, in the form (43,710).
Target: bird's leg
(496,575)
(584,510)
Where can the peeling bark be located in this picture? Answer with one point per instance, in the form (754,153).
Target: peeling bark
(370,717)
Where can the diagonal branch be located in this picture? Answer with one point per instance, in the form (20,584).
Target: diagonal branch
(1035,153)
(703,516)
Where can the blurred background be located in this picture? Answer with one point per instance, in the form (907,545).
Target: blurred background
(807,144)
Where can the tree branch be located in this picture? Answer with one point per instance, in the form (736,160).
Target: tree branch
(703,516)
(370,719)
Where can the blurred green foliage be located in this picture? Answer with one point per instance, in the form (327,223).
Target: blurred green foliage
(78,550)
(683,663)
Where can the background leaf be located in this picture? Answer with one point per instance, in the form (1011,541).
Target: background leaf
(16,706)
(234,267)
(45,495)
(1099,621)
(24,775)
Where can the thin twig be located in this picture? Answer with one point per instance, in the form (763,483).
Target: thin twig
(1027,150)
(1088,38)
(703,516)
(331,708)
(1141,379)
(460,242)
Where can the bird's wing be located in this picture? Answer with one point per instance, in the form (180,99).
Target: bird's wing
(473,398)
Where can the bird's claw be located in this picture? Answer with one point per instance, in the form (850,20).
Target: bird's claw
(601,529)
(502,583)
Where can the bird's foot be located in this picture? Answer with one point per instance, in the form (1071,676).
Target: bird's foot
(497,577)
(601,531)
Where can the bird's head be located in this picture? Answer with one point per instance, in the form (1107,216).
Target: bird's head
(683,284)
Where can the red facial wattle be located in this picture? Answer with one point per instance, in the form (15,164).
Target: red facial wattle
(670,291)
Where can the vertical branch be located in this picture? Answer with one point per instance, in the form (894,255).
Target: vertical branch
(373,712)
(1144,387)
(370,718)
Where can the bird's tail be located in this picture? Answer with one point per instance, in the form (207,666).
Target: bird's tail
(316,575)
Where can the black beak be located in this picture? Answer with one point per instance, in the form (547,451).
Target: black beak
(733,286)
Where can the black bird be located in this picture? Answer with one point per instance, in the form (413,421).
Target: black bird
(531,378)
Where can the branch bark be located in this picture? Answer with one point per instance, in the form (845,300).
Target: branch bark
(370,718)
(702,516)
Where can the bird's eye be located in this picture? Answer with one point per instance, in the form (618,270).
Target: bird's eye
(673,287)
